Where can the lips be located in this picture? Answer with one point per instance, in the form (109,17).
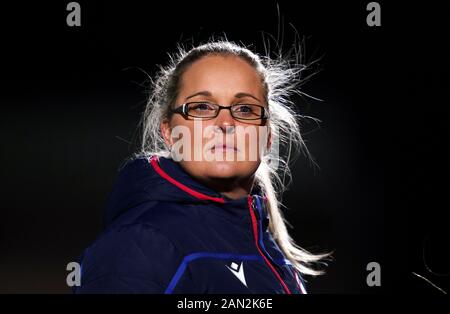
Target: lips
(224,147)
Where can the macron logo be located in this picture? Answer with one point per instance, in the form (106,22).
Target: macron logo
(238,271)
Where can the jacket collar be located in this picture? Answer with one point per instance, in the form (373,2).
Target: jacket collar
(172,172)
(162,179)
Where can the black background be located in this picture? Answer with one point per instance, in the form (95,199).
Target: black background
(71,98)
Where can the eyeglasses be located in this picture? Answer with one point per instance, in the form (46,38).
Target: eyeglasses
(207,110)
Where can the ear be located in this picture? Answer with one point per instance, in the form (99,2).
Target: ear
(269,137)
(166,132)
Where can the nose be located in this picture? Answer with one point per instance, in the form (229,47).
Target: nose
(225,121)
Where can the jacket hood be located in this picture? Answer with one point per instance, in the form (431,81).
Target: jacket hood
(150,179)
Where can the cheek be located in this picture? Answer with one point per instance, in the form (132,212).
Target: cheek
(254,143)
(183,137)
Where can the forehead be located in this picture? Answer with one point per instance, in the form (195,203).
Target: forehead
(221,75)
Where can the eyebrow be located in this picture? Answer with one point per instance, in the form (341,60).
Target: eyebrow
(208,93)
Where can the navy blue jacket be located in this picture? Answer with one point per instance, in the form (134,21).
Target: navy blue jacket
(167,233)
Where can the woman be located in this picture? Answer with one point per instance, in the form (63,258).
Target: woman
(195,211)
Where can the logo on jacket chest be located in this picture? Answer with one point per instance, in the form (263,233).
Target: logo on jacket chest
(238,271)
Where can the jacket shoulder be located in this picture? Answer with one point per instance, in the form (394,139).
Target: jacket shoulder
(135,258)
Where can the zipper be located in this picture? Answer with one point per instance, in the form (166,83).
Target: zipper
(255,226)
(256,204)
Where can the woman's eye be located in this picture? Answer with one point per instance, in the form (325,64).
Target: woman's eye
(244,109)
(203,106)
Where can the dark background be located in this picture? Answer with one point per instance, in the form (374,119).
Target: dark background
(71,99)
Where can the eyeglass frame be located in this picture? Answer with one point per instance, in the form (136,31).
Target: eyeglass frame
(182,109)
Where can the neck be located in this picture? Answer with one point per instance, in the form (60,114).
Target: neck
(231,187)
(236,193)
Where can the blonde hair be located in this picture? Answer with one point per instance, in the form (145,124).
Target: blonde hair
(281,78)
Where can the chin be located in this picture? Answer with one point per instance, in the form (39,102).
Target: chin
(231,169)
(223,169)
